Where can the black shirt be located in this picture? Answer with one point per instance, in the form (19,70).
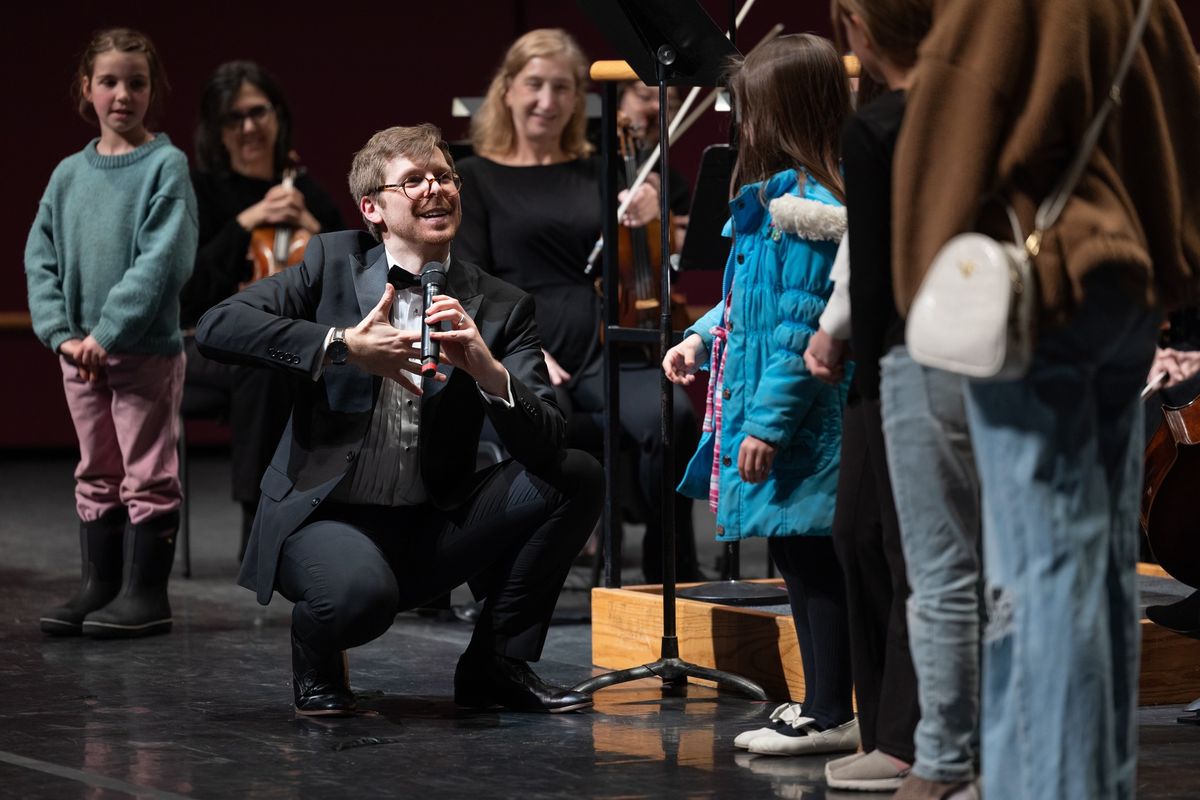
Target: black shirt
(868,145)
(221,264)
(534,226)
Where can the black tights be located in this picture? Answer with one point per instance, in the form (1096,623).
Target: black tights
(817,594)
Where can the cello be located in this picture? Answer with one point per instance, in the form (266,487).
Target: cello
(639,257)
(274,248)
(1168,518)
(1172,475)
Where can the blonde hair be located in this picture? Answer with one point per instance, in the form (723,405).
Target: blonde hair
(896,27)
(369,168)
(492,131)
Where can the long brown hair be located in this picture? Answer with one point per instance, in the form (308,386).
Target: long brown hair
(896,27)
(123,40)
(492,131)
(792,98)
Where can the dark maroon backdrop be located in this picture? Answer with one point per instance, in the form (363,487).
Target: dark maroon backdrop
(348,71)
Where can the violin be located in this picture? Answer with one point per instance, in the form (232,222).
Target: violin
(639,257)
(1168,513)
(274,248)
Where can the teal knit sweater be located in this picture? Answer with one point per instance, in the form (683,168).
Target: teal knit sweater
(112,244)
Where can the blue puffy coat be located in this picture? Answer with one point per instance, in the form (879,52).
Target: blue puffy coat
(785,240)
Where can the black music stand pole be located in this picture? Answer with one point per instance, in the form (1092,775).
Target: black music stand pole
(664,40)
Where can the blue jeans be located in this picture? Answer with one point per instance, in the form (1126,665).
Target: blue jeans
(1060,456)
(936,489)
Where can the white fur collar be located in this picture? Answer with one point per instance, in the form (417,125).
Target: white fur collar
(808,219)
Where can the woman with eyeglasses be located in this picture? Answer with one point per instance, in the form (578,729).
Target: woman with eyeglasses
(531,214)
(243,140)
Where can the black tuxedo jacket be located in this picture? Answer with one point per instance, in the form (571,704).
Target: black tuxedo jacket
(281,322)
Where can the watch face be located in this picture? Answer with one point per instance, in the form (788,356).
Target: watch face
(338,351)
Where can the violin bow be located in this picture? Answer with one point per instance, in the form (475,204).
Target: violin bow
(648,166)
(711,97)
(1153,385)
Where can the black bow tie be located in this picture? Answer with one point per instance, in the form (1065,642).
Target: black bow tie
(403,279)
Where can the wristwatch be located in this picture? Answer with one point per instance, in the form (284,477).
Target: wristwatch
(337,351)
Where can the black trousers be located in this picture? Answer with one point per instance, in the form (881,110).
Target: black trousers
(866,535)
(641,431)
(351,568)
(817,596)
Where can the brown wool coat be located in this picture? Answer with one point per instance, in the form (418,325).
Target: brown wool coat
(1003,92)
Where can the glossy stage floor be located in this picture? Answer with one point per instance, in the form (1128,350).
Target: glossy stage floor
(205,712)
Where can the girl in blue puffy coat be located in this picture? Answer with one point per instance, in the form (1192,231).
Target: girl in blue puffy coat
(768,459)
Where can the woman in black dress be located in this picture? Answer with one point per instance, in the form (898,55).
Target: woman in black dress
(531,214)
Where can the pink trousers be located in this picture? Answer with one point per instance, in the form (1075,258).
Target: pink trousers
(127,423)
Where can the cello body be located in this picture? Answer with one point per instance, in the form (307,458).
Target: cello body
(639,259)
(1170,517)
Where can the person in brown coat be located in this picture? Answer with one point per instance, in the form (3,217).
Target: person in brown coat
(1002,95)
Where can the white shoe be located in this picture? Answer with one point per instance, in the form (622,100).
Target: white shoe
(874,772)
(804,739)
(837,763)
(784,714)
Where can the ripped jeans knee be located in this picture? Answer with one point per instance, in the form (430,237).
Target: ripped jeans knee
(1000,609)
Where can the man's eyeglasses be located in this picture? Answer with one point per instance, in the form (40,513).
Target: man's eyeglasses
(232,120)
(416,186)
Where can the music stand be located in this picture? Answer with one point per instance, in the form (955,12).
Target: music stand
(666,42)
(704,248)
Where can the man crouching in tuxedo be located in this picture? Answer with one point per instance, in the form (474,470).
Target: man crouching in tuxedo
(372,504)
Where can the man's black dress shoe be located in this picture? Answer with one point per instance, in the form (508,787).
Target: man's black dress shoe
(1182,617)
(320,682)
(494,680)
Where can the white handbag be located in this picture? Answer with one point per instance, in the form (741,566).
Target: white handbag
(974,312)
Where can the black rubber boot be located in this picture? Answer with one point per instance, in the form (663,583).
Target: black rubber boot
(320,682)
(142,608)
(101,547)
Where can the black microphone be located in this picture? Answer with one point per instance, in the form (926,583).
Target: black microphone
(433,278)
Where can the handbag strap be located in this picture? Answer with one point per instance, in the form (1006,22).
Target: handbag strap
(1050,209)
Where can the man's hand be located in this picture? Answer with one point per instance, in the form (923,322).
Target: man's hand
(464,348)
(755,458)
(682,360)
(558,375)
(380,348)
(825,357)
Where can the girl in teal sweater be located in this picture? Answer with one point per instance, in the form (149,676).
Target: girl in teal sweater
(768,459)
(112,244)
